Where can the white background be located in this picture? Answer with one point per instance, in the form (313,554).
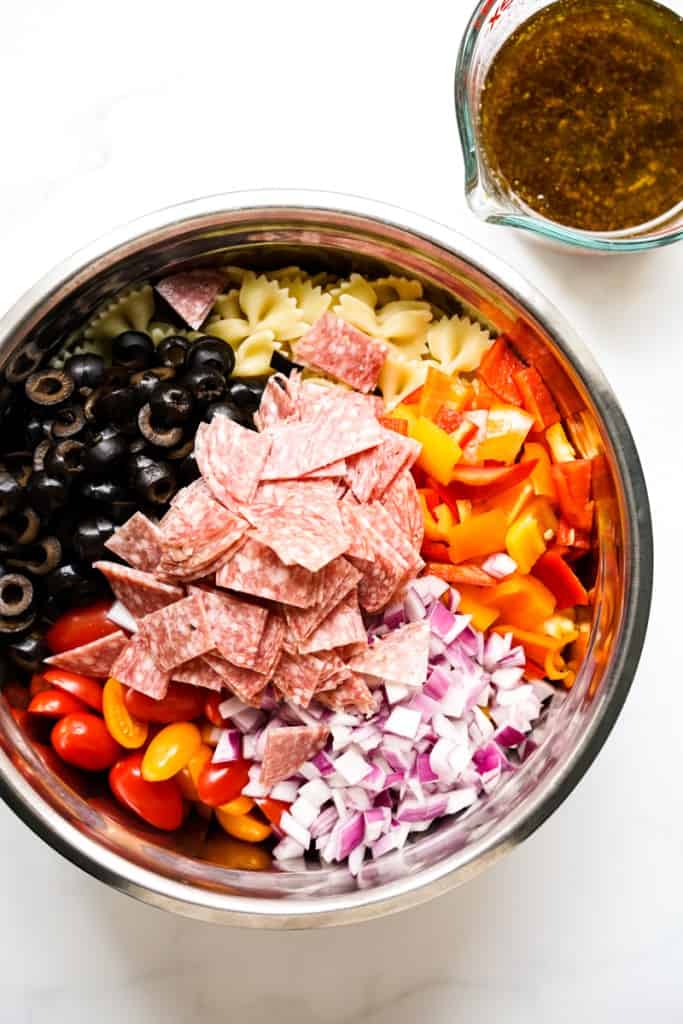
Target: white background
(110,110)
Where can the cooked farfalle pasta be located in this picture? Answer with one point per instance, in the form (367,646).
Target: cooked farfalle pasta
(158,330)
(399,377)
(402,323)
(130,311)
(457,344)
(311,302)
(253,355)
(258,305)
(389,289)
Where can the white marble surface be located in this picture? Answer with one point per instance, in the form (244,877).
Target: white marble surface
(110,111)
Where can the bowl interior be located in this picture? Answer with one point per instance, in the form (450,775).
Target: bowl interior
(318,235)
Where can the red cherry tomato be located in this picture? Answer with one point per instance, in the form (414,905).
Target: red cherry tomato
(158,803)
(38,684)
(211,709)
(55,704)
(85,689)
(82,739)
(220,783)
(80,626)
(182,703)
(273,809)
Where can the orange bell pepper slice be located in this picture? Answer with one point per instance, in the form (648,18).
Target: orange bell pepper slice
(481,483)
(442,389)
(512,502)
(568,590)
(528,535)
(536,398)
(523,601)
(481,534)
(498,369)
(575,542)
(483,614)
(394,423)
(541,476)
(573,483)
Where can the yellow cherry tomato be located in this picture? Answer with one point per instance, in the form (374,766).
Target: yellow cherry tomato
(125,728)
(243,826)
(170,750)
(197,762)
(240,805)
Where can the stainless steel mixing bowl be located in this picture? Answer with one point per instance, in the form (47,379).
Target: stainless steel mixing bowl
(341,233)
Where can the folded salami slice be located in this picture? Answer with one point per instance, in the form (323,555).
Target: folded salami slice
(340,349)
(359,544)
(198,673)
(139,591)
(177,633)
(370,473)
(135,667)
(255,569)
(352,695)
(403,505)
(342,626)
(297,677)
(137,542)
(244,683)
(192,293)
(288,748)
(311,536)
(231,459)
(334,582)
(399,657)
(236,626)
(93,659)
(279,402)
(271,644)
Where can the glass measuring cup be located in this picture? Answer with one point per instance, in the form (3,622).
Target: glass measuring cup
(492,22)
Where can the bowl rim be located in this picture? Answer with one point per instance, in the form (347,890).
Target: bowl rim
(363,904)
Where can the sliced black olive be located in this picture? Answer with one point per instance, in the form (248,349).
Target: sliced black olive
(46,492)
(28,652)
(116,406)
(246,394)
(146,381)
(36,428)
(16,595)
(39,454)
(173,351)
(108,449)
(155,483)
(133,349)
(11,627)
(157,435)
(65,459)
(23,363)
(231,411)
(188,470)
(39,558)
(211,354)
(181,452)
(49,387)
(116,377)
(11,494)
(86,371)
(282,364)
(206,385)
(121,511)
(137,461)
(104,492)
(20,465)
(171,405)
(19,528)
(90,538)
(66,578)
(68,421)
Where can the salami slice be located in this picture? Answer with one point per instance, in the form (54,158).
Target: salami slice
(315,399)
(135,667)
(288,748)
(177,633)
(192,293)
(279,402)
(334,581)
(335,469)
(255,569)
(354,525)
(198,673)
(93,659)
(403,505)
(271,644)
(312,537)
(340,349)
(352,695)
(244,683)
(137,542)
(399,657)
(305,492)
(297,677)
(342,626)
(231,458)
(236,626)
(139,591)
(370,473)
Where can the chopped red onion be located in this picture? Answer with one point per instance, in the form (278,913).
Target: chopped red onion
(352,767)
(288,849)
(229,747)
(120,616)
(499,566)
(316,791)
(324,823)
(304,812)
(232,706)
(294,829)
(403,722)
(287,791)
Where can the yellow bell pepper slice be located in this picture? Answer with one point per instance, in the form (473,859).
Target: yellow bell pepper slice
(437,523)
(523,601)
(506,430)
(440,452)
(524,542)
(541,476)
(559,444)
(481,534)
(483,616)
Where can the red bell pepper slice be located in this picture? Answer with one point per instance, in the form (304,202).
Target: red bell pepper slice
(460,575)
(435,551)
(536,398)
(573,483)
(573,541)
(481,483)
(498,369)
(560,579)
(394,423)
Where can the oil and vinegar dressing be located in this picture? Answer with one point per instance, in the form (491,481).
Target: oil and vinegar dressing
(582,113)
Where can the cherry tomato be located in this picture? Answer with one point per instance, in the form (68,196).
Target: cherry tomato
(246,827)
(158,803)
(55,704)
(82,739)
(129,731)
(182,703)
(86,689)
(16,695)
(170,750)
(38,684)
(273,809)
(80,626)
(231,853)
(240,805)
(211,709)
(220,783)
